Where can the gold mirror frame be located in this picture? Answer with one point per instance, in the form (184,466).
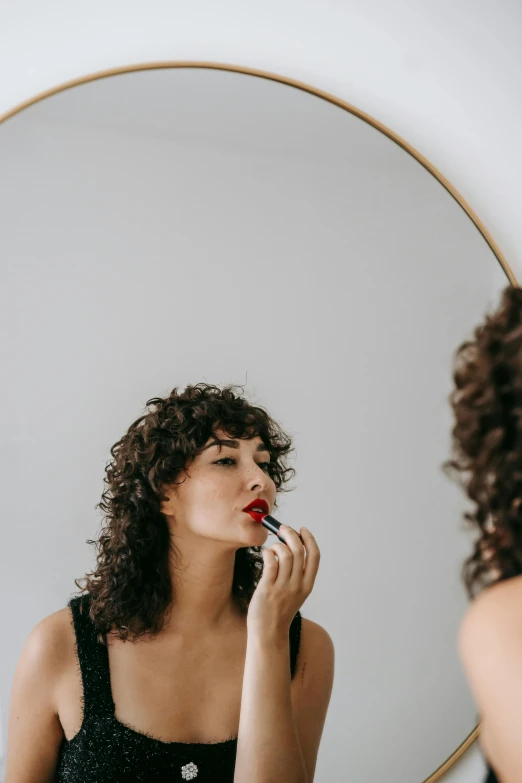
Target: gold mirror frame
(470,739)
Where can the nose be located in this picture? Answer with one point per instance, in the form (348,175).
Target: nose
(259,478)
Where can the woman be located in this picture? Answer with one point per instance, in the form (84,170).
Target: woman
(179,660)
(487,461)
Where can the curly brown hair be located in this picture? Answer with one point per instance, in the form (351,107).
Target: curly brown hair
(131,588)
(486,454)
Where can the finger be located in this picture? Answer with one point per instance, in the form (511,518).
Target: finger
(283,530)
(286,530)
(270,567)
(286,559)
(313,557)
(294,542)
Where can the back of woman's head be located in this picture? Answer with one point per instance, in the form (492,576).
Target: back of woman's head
(486,457)
(131,586)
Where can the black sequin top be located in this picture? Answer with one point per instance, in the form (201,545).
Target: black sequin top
(107,751)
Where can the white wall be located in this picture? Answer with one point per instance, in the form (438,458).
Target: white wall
(444,75)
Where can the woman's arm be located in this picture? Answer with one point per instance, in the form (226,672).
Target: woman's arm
(282,721)
(312,689)
(490,644)
(34,730)
(269,748)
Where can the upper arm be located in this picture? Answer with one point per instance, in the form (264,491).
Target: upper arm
(34,729)
(313,687)
(490,646)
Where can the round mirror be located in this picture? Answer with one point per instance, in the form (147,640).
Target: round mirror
(172,225)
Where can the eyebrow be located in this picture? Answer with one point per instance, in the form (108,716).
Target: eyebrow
(233,444)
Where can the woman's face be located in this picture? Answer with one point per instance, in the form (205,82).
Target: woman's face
(219,484)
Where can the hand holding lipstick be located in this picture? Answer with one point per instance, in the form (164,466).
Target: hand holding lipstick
(287,581)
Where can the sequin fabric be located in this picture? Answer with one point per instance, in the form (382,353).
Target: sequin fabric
(107,751)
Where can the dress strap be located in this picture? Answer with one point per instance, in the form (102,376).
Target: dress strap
(295,641)
(93,661)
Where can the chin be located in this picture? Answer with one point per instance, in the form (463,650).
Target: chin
(259,535)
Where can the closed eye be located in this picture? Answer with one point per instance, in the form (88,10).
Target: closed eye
(234,462)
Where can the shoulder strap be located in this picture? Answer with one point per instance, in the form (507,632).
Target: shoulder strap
(93,661)
(295,641)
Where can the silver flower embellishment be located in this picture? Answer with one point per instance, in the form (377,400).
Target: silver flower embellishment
(189,771)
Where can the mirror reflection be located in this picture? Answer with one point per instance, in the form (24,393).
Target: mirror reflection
(183,229)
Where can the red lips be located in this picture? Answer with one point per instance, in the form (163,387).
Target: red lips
(257,516)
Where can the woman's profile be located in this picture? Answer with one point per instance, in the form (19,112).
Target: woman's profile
(487,462)
(184,656)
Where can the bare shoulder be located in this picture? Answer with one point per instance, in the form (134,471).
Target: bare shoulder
(51,632)
(314,636)
(490,634)
(50,645)
(497,609)
(34,728)
(316,652)
(490,647)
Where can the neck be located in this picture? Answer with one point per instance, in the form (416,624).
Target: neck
(202,579)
